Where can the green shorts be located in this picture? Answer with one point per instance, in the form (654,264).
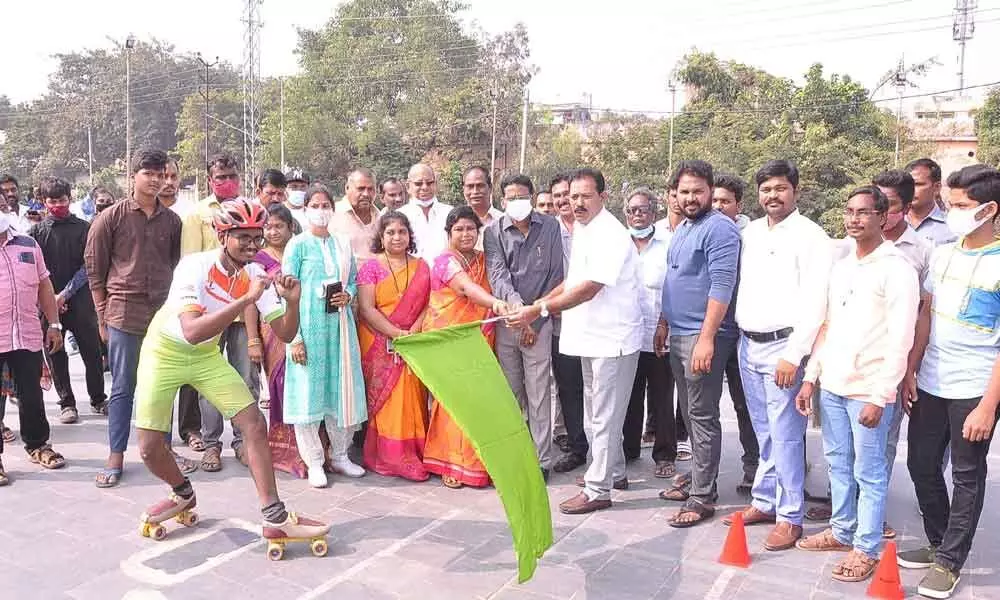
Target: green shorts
(166,364)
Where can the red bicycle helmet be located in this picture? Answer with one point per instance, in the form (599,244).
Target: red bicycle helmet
(239,213)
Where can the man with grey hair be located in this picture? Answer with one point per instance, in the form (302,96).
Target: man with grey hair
(426,213)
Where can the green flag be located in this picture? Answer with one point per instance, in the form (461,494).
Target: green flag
(459,368)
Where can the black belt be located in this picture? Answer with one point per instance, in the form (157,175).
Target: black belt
(770,336)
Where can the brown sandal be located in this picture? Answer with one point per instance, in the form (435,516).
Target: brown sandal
(822,542)
(451,482)
(211,461)
(47,457)
(693,506)
(665,469)
(855,567)
(195,442)
(751,516)
(678,491)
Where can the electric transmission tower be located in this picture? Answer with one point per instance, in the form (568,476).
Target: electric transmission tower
(251,89)
(962,31)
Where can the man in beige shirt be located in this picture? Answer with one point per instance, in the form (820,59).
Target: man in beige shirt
(355,217)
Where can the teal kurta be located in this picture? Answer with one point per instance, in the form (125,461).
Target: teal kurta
(318,390)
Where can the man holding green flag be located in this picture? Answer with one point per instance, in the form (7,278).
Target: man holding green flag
(462,373)
(602,324)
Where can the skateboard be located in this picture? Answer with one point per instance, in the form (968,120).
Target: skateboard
(157,531)
(276,546)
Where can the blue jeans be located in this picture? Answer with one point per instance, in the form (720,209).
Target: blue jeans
(123,358)
(779,486)
(856,455)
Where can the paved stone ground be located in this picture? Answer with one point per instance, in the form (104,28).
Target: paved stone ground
(63,538)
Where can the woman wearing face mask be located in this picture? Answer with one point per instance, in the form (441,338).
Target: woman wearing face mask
(323,379)
(460,293)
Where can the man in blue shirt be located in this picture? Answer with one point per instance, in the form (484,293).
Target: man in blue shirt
(925,214)
(697,315)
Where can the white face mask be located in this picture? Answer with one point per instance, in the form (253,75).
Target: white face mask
(519,209)
(297,198)
(963,221)
(425,203)
(320,217)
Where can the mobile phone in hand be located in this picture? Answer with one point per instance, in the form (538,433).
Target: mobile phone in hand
(329,291)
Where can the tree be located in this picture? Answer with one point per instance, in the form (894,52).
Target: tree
(988,129)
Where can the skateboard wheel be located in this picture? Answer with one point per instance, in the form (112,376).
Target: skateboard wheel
(144,529)
(187,519)
(159,532)
(275,552)
(319,547)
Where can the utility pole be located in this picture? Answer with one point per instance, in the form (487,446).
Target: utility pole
(281,120)
(673,108)
(90,154)
(524,129)
(129,45)
(901,83)
(495,93)
(962,31)
(207,66)
(251,82)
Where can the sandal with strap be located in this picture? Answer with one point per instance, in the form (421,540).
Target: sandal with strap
(47,457)
(9,437)
(692,506)
(678,490)
(186,465)
(823,541)
(108,477)
(665,469)
(211,461)
(857,566)
(195,442)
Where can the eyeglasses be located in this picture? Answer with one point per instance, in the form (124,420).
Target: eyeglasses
(427,183)
(246,239)
(634,211)
(863,213)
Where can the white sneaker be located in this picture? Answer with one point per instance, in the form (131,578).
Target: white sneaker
(317,478)
(344,466)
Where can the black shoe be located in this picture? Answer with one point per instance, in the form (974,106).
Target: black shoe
(569,462)
(545,475)
(562,442)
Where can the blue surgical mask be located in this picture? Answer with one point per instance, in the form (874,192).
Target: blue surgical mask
(641,234)
(297,198)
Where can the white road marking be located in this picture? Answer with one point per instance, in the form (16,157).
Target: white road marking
(134,566)
(329,584)
(719,585)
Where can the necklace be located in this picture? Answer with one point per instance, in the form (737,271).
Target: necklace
(395,282)
(466,263)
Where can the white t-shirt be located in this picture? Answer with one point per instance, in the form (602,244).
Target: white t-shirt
(201,285)
(610,323)
(428,230)
(654,270)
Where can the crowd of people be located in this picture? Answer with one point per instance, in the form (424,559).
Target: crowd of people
(602,323)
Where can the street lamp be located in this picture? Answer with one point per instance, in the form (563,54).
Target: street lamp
(129,45)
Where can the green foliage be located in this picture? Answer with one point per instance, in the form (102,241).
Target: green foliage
(988,129)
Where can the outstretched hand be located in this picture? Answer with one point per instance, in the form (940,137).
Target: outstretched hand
(288,287)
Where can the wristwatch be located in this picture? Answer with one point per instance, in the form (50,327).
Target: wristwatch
(56,326)
(544,313)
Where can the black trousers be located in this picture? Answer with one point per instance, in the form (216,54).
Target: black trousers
(654,384)
(949,525)
(26,369)
(81,319)
(568,372)
(748,439)
(188,412)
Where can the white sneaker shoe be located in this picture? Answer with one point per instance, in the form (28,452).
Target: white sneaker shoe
(317,478)
(344,466)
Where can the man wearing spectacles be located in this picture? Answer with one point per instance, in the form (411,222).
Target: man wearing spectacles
(524,257)
(861,356)
(426,213)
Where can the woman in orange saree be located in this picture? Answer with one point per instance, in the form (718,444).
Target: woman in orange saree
(460,293)
(393,290)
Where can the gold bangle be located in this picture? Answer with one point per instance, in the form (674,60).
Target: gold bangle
(254,342)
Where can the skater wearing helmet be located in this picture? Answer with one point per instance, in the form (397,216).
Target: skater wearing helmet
(209,291)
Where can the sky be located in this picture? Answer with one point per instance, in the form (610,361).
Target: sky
(619,52)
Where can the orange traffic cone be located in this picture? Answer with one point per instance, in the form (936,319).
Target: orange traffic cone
(734,551)
(886,584)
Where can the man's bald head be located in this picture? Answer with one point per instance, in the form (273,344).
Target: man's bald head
(422,182)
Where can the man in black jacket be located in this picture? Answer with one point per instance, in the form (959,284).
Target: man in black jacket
(62,238)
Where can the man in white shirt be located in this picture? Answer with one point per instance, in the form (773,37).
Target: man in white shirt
(355,219)
(861,357)
(478,191)
(780,309)
(427,215)
(653,388)
(602,324)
